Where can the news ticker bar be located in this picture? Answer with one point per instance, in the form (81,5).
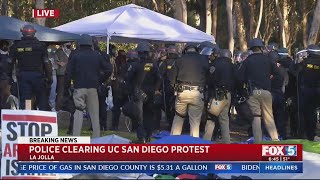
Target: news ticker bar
(163,167)
(159,152)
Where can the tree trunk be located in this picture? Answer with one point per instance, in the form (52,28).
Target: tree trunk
(181,11)
(251,4)
(314,30)
(40,5)
(133,1)
(4,8)
(202,14)
(285,21)
(260,18)
(16,9)
(208,17)
(240,25)
(304,23)
(281,24)
(230,25)
(160,5)
(215,18)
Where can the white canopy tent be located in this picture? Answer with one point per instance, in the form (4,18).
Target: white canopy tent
(132,23)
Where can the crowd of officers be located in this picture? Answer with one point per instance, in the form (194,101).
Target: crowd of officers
(201,84)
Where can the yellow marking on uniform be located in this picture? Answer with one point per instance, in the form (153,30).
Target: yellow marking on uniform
(310,66)
(148,66)
(20,49)
(316,67)
(169,67)
(28,49)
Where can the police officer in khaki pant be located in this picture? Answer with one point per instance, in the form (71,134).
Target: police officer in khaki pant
(189,78)
(85,67)
(221,83)
(257,71)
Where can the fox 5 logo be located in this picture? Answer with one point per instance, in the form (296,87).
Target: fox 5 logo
(279,150)
(223,167)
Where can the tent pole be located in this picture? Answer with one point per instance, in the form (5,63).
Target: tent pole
(108,43)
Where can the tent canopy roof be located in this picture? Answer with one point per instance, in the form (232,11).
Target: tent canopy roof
(10,30)
(134,23)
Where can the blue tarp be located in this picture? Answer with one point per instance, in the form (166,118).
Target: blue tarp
(181,139)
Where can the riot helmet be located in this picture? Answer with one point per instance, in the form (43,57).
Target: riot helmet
(28,31)
(283,52)
(161,53)
(313,49)
(132,54)
(190,46)
(274,56)
(225,53)
(301,55)
(205,44)
(237,56)
(255,44)
(273,46)
(172,52)
(85,40)
(143,50)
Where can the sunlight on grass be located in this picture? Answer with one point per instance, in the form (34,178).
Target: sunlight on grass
(308,146)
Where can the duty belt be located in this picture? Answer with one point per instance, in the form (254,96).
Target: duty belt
(190,88)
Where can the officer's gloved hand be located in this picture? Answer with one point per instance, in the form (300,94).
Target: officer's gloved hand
(157,93)
(49,81)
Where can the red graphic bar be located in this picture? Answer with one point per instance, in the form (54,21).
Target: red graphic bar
(120,152)
(34,118)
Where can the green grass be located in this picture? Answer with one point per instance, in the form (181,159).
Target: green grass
(308,146)
(131,136)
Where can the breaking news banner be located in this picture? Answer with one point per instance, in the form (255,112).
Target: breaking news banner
(153,152)
(160,167)
(20,123)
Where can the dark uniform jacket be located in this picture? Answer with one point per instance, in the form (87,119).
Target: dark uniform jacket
(151,77)
(221,74)
(85,66)
(257,70)
(310,74)
(190,69)
(30,53)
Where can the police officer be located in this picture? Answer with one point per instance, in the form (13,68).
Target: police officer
(32,64)
(237,57)
(84,68)
(133,78)
(272,47)
(159,99)
(221,84)
(277,90)
(103,90)
(256,71)
(118,94)
(169,91)
(189,77)
(310,88)
(150,87)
